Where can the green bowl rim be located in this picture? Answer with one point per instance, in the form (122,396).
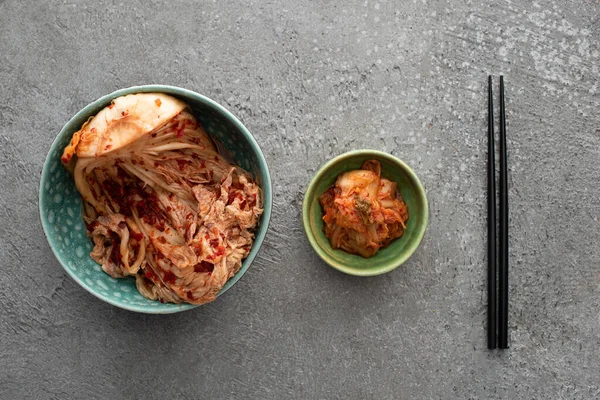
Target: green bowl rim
(174,90)
(309,194)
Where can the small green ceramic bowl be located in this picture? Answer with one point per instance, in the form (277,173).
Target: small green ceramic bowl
(60,203)
(400,249)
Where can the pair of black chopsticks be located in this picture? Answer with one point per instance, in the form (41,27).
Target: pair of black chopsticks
(497,302)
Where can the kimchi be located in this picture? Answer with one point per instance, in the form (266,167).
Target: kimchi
(363,212)
(160,203)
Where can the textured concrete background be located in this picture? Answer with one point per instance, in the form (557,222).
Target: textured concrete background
(313,79)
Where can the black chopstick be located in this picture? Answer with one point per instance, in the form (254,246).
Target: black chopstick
(491,278)
(503,256)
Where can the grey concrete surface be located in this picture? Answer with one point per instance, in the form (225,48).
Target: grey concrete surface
(313,79)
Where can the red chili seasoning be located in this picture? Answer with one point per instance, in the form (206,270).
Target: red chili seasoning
(150,275)
(181,164)
(114,190)
(220,251)
(169,278)
(137,236)
(232,196)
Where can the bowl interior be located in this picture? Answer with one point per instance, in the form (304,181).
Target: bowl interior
(60,202)
(400,249)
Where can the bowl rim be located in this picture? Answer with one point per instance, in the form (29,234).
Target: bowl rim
(310,193)
(175,91)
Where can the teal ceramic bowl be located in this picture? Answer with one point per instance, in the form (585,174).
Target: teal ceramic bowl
(60,203)
(399,250)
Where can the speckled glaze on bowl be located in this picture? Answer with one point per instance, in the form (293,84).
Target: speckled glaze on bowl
(399,250)
(60,203)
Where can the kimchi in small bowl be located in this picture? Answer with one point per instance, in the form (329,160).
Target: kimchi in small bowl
(61,206)
(396,249)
